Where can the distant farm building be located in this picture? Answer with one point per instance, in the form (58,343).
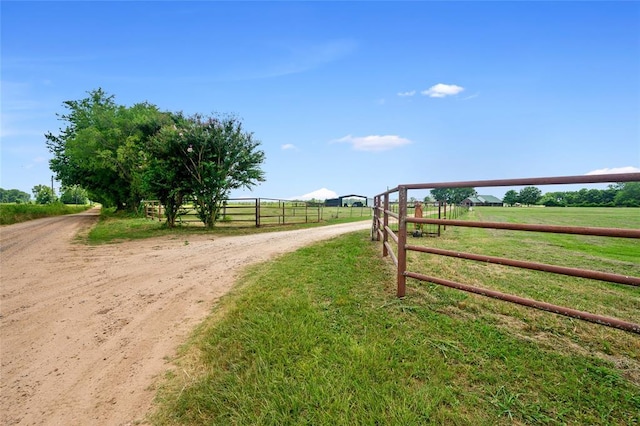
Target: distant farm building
(351,200)
(482,200)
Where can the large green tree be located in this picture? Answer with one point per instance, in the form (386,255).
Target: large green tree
(529,195)
(204,157)
(166,177)
(44,194)
(628,195)
(452,195)
(101,147)
(510,197)
(74,194)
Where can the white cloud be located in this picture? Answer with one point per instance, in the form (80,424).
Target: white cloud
(606,171)
(287,146)
(410,93)
(441,90)
(320,194)
(374,142)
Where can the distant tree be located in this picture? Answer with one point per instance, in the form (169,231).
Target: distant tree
(553,199)
(628,195)
(44,194)
(427,199)
(529,195)
(14,196)
(452,195)
(594,197)
(609,195)
(510,197)
(74,194)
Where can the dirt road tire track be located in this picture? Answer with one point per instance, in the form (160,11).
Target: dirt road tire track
(86,330)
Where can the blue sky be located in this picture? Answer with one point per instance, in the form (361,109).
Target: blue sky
(354,97)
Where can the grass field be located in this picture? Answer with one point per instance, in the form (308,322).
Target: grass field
(15,213)
(317,337)
(118,226)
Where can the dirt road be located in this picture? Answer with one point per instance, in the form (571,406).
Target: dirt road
(86,330)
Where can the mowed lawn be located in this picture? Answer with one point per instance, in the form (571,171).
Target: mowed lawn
(318,337)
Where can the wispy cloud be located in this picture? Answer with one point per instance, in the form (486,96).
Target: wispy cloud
(289,146)
(34,162)
(441,90)
(405,94)
(20,110)
(374,143)
(614,170)
(277,59)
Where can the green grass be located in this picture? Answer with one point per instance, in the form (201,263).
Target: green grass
(16,213)
(317,337)
(615,255)
(120,226)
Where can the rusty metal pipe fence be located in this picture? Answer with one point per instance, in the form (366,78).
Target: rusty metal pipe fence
(394,243)
(259,212)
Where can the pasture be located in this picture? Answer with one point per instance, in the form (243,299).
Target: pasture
(318,336)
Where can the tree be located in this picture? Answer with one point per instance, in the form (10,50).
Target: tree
(44,194)
(166,176)
(628,195)
(204,157)
(553,199)
(14,196)
(102,147)
(510,197)
(452,195)
(529,195)
(74,194)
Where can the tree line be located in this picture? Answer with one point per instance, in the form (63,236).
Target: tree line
(121,155)
(44,194)
(624,194)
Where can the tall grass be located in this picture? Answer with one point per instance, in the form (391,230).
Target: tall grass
(317,337)
(15,213)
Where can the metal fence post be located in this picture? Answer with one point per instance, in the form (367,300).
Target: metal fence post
(385,225)
(402,240)
(257,201)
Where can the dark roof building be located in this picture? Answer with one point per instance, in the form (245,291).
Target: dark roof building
(351,200)
(482,200)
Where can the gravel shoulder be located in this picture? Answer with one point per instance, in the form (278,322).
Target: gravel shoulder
(85,330)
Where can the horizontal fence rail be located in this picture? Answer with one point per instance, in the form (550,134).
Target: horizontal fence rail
(260,212)
(394,241)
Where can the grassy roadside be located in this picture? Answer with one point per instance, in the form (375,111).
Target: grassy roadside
(16,213)
(119,226)
(317,337)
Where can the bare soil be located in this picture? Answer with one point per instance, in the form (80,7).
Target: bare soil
(86,330)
